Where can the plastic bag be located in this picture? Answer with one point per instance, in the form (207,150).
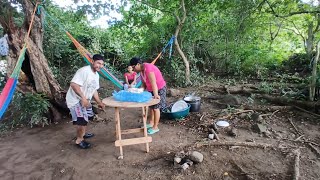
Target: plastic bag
(127,96)
(4,47)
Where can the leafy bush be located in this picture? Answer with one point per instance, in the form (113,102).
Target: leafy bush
(30,109)
(297,63)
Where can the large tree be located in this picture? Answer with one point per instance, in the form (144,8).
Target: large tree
(38,76)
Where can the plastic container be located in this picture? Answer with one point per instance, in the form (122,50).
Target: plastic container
(127,96)
(194,101)
(176,115)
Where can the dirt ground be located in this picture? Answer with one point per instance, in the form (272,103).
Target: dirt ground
(49,152)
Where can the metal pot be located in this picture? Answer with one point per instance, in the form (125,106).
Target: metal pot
(194,101)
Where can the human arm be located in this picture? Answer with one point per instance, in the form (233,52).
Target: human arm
(134,79)
(76,88)
(143,85)
(98,100)
(127,82)
(153,82)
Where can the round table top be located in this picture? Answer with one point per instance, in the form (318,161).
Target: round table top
(110,101)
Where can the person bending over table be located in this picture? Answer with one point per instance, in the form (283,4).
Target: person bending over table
(153,82)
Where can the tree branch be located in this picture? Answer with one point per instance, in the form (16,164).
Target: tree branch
(291,13)
(318,24)
(273,36)
(154,7)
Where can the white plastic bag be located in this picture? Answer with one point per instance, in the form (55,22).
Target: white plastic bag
(4,47)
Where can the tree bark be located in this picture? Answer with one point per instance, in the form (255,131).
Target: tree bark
(314,75)
(35,66)
(176,42)
(286,101)
(309,40)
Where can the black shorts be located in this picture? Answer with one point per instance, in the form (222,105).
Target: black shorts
(80,122)
(162,104)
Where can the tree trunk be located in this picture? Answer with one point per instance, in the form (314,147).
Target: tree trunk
(176,42)
(314,75)
(311,106)
(36,68)
(309,40)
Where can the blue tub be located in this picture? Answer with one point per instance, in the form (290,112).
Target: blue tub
(176,115)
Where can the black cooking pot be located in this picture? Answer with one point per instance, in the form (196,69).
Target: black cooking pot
(194,101)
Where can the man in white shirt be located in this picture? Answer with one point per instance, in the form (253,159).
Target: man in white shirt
(83,87)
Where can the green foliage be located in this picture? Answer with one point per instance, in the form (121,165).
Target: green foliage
(235,37)
(297,63)
(266,87)
(30,109)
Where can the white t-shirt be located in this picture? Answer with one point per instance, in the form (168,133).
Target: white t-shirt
(89,83)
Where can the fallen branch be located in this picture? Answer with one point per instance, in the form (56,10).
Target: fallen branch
(232,114)
(229,143)
(306,111)
(299,138)
(287,101)
(246,90)
(202,117)
(314,149)
(212,131)
(296,164)
(290,120)
(268,108)
(301,141)
(214,126)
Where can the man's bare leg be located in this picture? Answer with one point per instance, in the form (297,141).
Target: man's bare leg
(81,130)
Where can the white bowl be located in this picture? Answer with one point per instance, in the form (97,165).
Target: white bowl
(222,123)
(179,105)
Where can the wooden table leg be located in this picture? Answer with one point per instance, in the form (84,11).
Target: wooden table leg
(144,118)
(118,130)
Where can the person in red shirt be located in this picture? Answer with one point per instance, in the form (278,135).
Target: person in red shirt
(130,77)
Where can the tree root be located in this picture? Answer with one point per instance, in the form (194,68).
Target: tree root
(228,143)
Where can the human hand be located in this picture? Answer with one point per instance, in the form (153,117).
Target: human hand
(85,102)
(101,105)
(156,96)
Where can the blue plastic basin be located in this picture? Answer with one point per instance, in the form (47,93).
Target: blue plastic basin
(176,115)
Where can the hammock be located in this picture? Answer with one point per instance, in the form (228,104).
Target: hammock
(87,56)
(9,88)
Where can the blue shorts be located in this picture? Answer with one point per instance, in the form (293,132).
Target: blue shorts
(162,104)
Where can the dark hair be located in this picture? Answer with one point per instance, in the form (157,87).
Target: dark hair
(97,57)
(135,60)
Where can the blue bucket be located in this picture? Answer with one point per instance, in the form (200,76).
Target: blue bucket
(176,115)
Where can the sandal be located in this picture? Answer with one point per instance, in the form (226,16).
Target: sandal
(83,145)
(153,131)
(148,126)
(88,135)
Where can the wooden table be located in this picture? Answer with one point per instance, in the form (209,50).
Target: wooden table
(111,102)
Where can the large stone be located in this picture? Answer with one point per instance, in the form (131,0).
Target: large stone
(260,128)
(256,117)
(174,92)
(231,100)
(196,157)
(211,136)
(177,160)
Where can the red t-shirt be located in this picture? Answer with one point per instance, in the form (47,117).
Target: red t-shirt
(129,76)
